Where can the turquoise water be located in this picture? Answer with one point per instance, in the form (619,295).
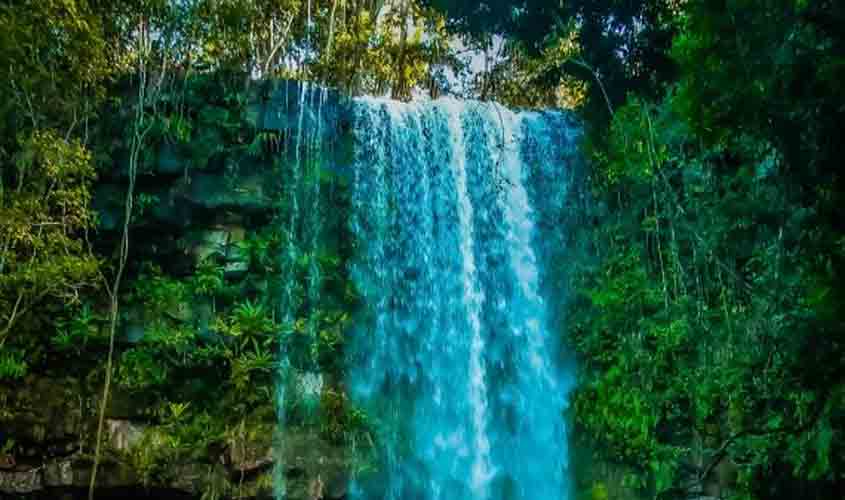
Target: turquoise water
(457,209)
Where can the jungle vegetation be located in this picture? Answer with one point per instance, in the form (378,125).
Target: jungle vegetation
(707,304)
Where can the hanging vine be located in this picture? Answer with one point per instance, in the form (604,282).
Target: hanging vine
(148,96)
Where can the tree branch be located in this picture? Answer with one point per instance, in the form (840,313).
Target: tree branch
(595,74)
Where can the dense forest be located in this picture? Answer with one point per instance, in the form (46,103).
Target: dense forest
(706,300)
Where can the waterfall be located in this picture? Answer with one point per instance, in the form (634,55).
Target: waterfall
(303,227)
(456,208)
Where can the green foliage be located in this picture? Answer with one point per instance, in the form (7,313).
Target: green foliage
(384,48)
(174,128)
(209,278)
(139,369)
(163,297)
(8,446)
(244,341)
(54,62)
(44,216)
(12,365)
(259,251)
(622,47)
(82,326)
(242,35)
(599,492)
(181,435)
(144,202)
(340,421)
(706,331)
(56,57)
(523,79)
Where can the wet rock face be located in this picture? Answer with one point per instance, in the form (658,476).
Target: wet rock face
(285,106)
(49,463)
(20,482)
(70,472)
(314,469)
(218,180)
(48,419)
(124,434)
(45,412)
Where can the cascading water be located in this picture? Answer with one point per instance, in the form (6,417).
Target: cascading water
(303,229)
(454,357)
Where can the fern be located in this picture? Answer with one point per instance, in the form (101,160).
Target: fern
(12,365)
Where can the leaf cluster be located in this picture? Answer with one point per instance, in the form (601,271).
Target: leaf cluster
(708,332)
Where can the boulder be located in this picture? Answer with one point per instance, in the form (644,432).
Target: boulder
(47,409)
(21,482)
(170,209)
(198,478)
(124,434)
(250,194)
(220,240)
(309,459)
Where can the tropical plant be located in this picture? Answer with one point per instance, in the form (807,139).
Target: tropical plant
(44,217)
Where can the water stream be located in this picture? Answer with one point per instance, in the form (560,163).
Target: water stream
(453,204)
